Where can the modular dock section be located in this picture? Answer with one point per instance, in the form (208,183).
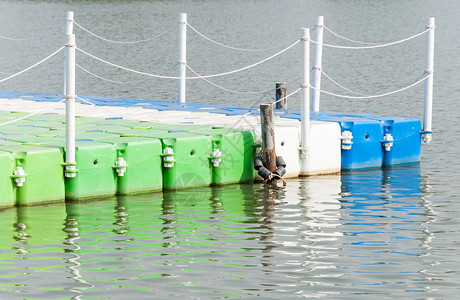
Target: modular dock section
(128,146)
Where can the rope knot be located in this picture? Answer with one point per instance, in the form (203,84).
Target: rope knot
(304,39)
(68,97)
(429,72)
(70,45)
(272,176)
(430,27)
(302,86)
(317,68)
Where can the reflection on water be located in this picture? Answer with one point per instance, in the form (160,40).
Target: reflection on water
(356,233)
(385,213)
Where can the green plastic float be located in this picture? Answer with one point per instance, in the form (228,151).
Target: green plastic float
(37,173)
(95,176)
(231,154)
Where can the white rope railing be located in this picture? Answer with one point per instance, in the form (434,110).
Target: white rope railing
(195,77)
(273,103)
(287,96)
(347,39)
(229,90)
(373,46)
(252,65)
(206,77)
(38,71)
(121,82)
(339,85)
(125,68)
(103,108)
(249,66)
(54,29)
(33,66)
(235,48)
(98,106)
(125,42)
(422,78)
(34,113)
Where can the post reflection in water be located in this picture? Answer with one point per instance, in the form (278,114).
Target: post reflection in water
(355,233)
(303,219)
(20,228)
(121,215)
(71,228)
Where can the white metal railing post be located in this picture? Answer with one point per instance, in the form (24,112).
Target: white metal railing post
(70,164)
(317,64)
(429,68)
(68,30)
(182,56)
(305,102)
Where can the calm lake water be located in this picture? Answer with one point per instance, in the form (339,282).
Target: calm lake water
(386,234)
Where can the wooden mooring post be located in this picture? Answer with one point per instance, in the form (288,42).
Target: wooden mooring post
(281,93)
(268,136)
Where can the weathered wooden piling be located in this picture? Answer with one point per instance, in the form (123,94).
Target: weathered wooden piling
(268,136)
(281,93)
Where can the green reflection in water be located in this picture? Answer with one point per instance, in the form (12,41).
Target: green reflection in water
(123,243)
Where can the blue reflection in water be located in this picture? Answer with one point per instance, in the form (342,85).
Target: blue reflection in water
(384,215)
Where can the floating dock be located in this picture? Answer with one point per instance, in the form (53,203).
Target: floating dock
(128,146)
(70,147)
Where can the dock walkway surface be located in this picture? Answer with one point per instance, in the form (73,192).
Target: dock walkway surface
(127,146)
